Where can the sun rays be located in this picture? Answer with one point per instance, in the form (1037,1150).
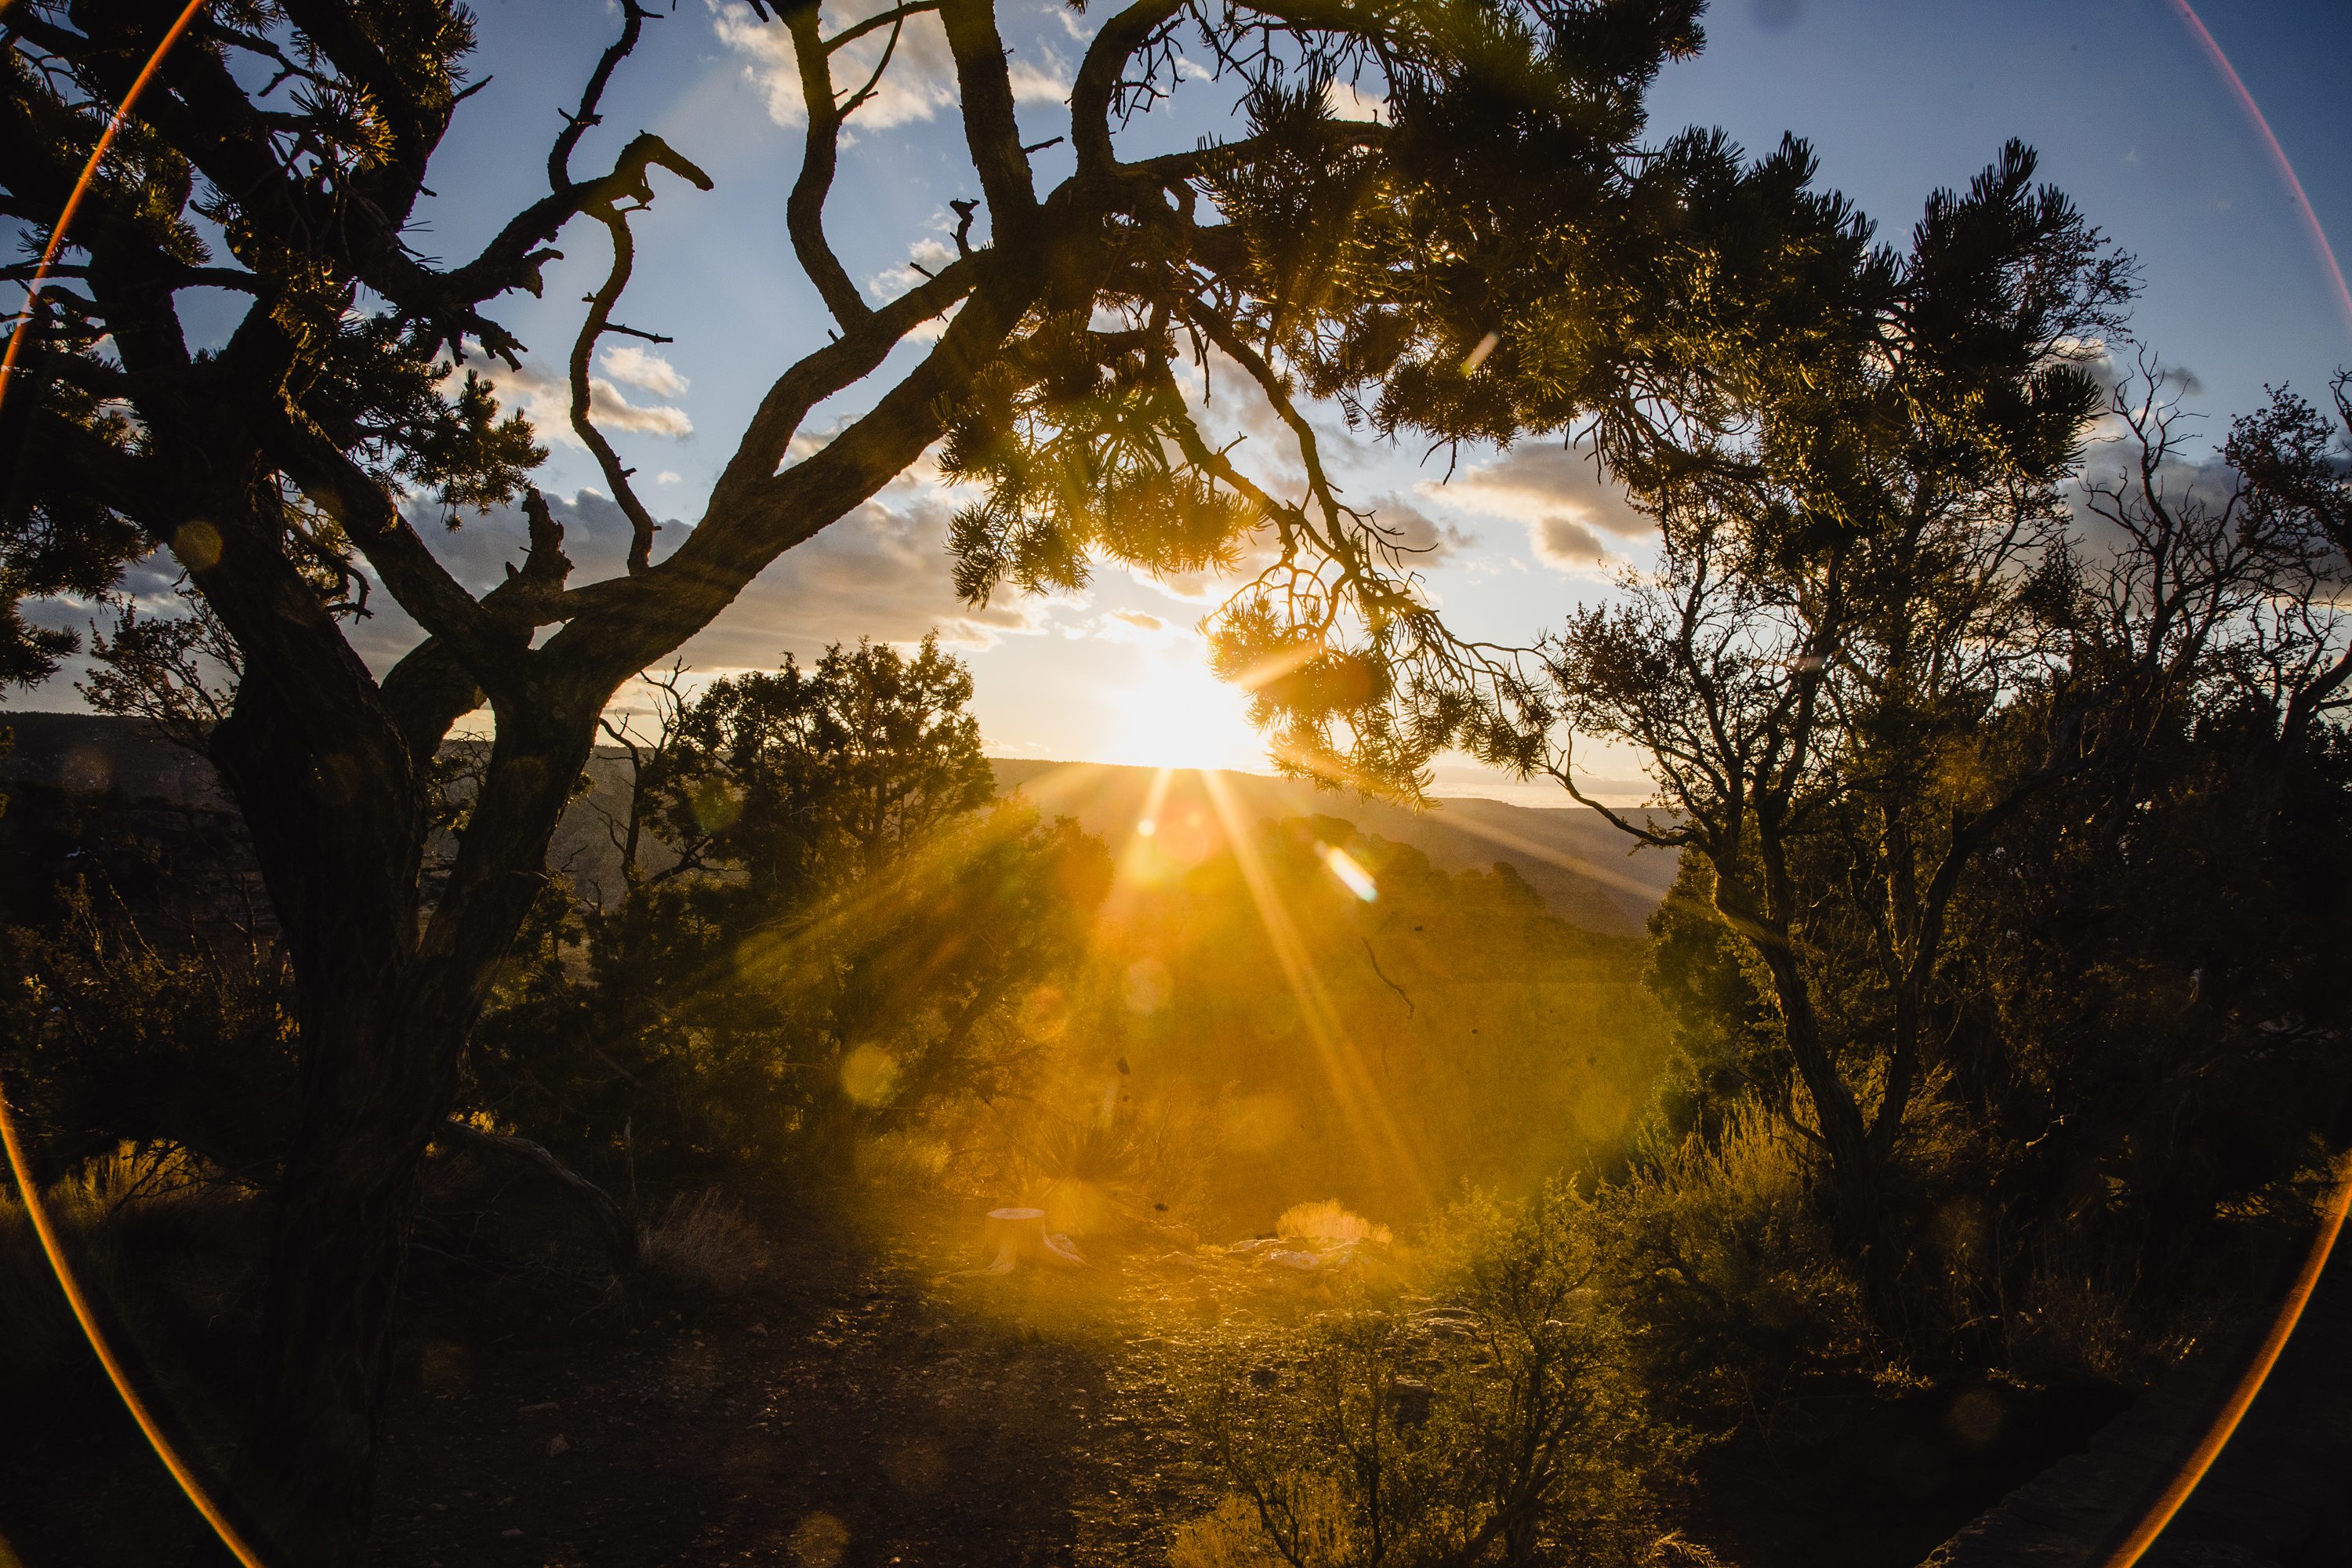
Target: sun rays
(1353,1093)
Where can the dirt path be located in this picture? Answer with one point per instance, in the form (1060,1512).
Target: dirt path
(866,1409)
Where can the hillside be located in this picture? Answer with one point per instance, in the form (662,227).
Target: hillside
(1577,862)
(1574,859)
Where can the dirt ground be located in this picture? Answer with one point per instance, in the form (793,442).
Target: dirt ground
(850,1401)
(861,1397)
(854,1405)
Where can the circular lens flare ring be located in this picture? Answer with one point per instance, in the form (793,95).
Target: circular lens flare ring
(81,187)
(2278,156)
(36,1208)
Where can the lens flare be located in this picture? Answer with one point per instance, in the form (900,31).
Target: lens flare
(1352,876)
(2242,1397)
(1353,1092)
(2278,156)
(81,187)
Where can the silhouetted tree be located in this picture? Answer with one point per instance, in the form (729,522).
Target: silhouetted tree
(810,776)
(1500,252)
(1852,606)
(847,925)
(2144,1025)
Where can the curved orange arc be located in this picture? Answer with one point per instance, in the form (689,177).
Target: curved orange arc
(38,1209)
(82,187)
(2290,1313)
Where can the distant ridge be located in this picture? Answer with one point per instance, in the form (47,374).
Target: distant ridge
(1570,855)
(1574,860)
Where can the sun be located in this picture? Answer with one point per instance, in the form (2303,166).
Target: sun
(1178,715)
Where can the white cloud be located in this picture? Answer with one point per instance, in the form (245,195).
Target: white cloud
(1562,541)
(1346,100)
(1559,495)
(644,368)
(1130,627)
(666,476)
(891,282)
(768,61)
(1425,541)
(546,400)
(882,572)
(1046,80)
(918,82)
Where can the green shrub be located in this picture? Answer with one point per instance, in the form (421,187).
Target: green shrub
(1720,1251)
(1504,1424)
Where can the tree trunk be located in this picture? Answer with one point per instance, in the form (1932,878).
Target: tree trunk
(1857,1163)
(306,1471)
(385,1001)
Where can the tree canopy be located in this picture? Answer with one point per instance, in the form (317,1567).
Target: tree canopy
(1506,251)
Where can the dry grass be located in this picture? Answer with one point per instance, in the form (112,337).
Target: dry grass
(1228,1538)
(1231,1537)
(149,1234)
(700,1241)
(2077,1322)
(33,1318)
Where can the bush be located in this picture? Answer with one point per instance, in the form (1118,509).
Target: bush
(159,1244)
(1720,1250)
(1504,1425)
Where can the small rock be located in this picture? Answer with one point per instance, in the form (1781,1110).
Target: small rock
(559,1444)
(538,1409)
(511,1534)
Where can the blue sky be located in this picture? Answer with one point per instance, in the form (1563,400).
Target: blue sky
(2130,116)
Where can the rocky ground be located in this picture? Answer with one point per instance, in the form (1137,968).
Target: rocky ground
(853,1405)
(839,1397)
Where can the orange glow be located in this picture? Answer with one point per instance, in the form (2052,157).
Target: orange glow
(1352,876)
(1179,715)
(1343,1066)
(2241,1398)
(37,1210)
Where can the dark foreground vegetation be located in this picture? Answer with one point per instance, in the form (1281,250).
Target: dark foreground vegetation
(874,1168)
(1458,1235)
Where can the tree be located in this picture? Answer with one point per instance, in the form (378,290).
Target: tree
(2144,1027)
(809,777)
(847,921)
(1505,200)
(2220,583)
(1860,602)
